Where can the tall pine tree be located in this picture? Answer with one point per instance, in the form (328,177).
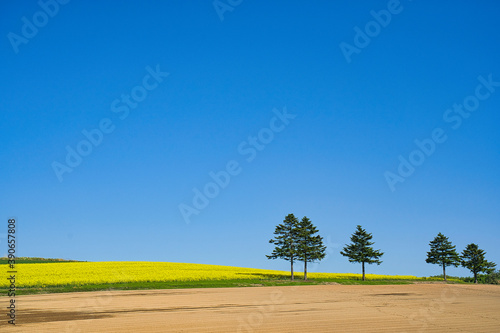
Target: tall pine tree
(360,249)
(310,246)
(442,253)
(472,258)
(286,241)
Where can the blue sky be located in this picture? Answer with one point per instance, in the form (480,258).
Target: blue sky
(102,67)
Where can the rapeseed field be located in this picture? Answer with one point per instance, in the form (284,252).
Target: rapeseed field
(91,273)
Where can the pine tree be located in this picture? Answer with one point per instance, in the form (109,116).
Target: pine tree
(286,241)
(472,258)
(360,250)
(442,253)
(310,246)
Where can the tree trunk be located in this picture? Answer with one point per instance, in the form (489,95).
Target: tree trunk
(363,267)
(475,277)
(305,269)
(291,268)
(444,272)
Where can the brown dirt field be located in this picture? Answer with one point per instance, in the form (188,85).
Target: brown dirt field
(321,308)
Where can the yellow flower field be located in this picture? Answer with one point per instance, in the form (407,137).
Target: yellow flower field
(84,273)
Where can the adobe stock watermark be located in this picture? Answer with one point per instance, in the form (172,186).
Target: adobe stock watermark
(222,6)
(423,317)
(248,149)
(454,116)
(122,107)
(97,303)
(331,249)
(363,37)
(30,27)
(263,310)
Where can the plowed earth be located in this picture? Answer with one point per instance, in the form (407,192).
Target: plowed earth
(319,308)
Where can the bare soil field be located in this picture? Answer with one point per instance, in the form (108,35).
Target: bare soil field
(320,308)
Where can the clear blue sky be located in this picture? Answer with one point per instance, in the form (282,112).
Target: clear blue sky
(88,66)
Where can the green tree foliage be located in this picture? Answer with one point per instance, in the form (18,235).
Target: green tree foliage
(309,245)
(360,249)
(492,277)
(442,253)
(472,258)
(285,241)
